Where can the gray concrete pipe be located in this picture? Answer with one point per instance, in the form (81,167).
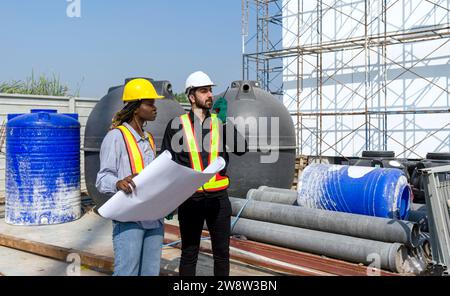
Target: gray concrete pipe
(288,198)
(279,190)
(390,256)
(373,228)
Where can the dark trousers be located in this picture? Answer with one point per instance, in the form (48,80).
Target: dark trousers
(191,215)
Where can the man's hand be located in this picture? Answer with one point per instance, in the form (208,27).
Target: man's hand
(126,185)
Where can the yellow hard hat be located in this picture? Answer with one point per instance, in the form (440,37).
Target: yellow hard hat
(139,89)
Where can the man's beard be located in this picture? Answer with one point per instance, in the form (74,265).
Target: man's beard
(203,105)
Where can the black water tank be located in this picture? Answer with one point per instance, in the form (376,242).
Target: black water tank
(437,157)
(378,154)
(247,100)
(99,122)
(433,159)
(382,159)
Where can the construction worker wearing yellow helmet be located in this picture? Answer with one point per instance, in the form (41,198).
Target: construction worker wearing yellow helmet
(210,203)
(125,151)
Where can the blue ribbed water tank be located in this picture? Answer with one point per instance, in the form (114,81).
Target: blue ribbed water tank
(42,168)
(380,192)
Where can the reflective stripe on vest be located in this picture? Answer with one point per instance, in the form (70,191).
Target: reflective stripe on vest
(217,182)
(134,153)
(152,142)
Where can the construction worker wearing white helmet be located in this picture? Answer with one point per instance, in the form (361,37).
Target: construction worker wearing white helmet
(125,151)
(202,136)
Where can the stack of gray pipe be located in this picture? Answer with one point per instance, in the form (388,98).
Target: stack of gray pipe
(269,215)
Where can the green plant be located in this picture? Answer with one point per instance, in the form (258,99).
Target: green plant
(41,85)
(181,98)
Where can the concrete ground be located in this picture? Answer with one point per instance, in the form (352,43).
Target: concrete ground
(18,263)
(92,234)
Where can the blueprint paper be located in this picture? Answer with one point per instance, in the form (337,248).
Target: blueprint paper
(160,188)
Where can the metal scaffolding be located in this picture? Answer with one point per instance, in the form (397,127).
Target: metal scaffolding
(267,57)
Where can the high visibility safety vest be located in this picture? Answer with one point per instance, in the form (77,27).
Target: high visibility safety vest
(134,153)
(217,182)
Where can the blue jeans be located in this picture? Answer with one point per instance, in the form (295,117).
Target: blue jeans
(137,251)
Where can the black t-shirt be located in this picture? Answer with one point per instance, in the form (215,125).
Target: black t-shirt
(230,141)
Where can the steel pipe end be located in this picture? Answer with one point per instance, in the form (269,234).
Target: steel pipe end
(398,254)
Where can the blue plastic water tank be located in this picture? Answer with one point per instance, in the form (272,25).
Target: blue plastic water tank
(42,168)
(381,192)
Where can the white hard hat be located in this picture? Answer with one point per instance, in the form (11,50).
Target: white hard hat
(197,79)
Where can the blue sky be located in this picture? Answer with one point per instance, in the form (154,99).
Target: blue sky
(115,39)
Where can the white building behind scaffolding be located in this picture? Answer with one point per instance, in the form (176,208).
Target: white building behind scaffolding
(354,71)
(356,75)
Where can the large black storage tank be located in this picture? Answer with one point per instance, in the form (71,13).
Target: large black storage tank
(99,122)
(248,101)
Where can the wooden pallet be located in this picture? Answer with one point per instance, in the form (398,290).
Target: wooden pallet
(301,161)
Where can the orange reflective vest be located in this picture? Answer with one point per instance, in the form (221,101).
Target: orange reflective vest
(217,182)
(134,153)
